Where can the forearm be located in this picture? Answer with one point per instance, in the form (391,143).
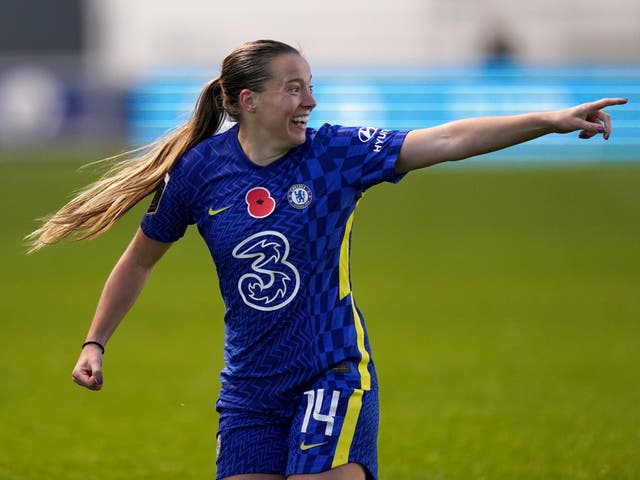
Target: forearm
(124,285)
(476,136)
(466,138)
(120,292)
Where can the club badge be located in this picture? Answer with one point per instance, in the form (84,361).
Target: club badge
(299,196)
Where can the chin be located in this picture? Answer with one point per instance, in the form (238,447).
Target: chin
(298,138)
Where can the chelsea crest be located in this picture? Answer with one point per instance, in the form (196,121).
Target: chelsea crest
(299,196)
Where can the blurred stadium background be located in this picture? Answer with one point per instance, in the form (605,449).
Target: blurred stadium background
(502,303)
(91,71)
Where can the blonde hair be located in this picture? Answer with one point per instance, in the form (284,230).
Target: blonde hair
(138,173)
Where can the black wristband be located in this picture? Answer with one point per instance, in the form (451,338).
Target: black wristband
(99,345)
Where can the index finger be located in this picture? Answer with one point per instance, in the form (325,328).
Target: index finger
(607,102)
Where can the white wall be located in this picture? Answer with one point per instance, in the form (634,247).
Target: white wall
(129,36)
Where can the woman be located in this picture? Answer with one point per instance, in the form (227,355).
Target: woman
(274,201)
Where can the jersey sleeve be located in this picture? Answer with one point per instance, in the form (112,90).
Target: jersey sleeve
(168,215)
(366,155)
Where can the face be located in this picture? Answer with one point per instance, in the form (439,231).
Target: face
(281,111)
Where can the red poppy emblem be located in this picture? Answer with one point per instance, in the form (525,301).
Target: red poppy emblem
(260,204)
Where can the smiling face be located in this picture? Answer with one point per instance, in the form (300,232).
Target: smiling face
(279,114)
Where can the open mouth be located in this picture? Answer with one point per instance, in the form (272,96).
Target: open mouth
(300,120)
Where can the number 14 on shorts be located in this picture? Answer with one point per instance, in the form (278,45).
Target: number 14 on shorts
(315,400)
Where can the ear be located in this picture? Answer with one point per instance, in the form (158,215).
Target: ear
(247,100)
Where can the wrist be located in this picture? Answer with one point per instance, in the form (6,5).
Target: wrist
(552,121)
(94,343)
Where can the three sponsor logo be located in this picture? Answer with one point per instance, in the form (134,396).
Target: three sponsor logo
(271,280)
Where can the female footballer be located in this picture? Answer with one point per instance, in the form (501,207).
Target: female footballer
(274,201)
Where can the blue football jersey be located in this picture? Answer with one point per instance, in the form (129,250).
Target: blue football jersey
(280,239)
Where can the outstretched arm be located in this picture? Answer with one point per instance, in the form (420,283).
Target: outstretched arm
(120,292)
(475,136)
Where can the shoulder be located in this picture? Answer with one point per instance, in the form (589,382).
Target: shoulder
(355,140)
(340,134)
(329,136)
(201,155)
(325,131)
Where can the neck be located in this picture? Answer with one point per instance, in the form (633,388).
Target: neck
(261,151)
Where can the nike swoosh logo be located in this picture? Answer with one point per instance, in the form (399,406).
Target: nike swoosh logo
(305,447)
(213,212)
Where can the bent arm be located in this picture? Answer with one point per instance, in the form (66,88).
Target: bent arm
(120,292)
(475,136)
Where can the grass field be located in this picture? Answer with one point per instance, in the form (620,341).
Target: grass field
(503,309)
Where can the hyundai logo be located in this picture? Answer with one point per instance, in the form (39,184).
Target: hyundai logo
(366,133)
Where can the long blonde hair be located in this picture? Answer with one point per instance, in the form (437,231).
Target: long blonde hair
(138,173)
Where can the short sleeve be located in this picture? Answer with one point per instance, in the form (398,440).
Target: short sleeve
(168,215)
(366,155)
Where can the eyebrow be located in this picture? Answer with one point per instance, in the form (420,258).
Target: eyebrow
(298,79)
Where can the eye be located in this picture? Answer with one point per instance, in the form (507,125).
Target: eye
(294,89)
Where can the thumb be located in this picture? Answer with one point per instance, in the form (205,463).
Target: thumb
(97,379)
(95,370)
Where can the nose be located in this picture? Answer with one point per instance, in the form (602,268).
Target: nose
(309,101)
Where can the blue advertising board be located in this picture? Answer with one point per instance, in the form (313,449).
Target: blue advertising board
(417,98)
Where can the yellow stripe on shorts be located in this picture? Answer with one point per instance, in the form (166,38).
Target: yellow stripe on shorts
(345,440)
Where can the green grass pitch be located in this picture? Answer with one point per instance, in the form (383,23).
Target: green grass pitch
(503,308)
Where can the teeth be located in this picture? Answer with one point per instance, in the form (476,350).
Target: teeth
(300,119)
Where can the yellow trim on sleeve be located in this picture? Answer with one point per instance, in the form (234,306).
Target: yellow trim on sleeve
(341,457)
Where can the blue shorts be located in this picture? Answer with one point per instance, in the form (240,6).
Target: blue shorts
(333,422)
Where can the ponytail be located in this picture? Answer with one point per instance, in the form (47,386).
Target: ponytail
(135,175)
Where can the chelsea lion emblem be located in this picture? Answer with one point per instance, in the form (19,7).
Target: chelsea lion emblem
(299,196)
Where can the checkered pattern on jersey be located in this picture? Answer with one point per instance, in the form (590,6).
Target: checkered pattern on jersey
(271,352)
(342,167)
